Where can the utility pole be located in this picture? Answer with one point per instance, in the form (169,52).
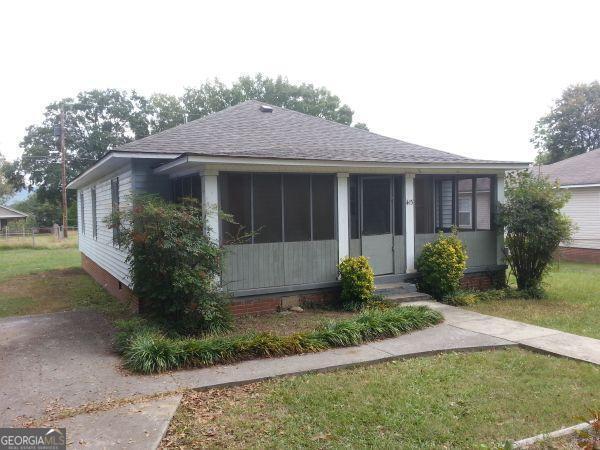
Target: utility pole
(61,144)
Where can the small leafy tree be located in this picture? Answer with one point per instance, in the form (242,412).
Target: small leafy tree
(174,264)
(441,265)
(534,227)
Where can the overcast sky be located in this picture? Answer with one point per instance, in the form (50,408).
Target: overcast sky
(466,77)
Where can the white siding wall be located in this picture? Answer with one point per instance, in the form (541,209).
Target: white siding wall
(101,250)
(584,210)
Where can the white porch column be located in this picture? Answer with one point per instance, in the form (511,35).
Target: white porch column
(500,237)
(409,221)
(210,202)
(342,216)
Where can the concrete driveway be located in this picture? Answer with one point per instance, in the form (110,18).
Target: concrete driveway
(63,359)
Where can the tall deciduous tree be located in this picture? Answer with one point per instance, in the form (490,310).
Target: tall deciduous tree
(573,125)
(6,185)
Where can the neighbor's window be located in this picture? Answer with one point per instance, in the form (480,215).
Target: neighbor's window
(465,203)
(444,213)
(114,195)
(483,194)
(276,208)
(94,217)
(82,206)
(424,204)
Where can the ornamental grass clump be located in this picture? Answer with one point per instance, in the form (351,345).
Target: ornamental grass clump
(147,350)
(441,265)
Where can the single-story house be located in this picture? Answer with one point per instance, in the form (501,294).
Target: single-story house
(580,175)
(312,191)
(9,214)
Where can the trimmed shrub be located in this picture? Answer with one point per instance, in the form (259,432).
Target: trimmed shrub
(358,282)
(150,351)
(441,265)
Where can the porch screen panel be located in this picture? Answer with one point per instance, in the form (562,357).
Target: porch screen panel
(445,204)
(236,200)
(196,187)
(376,211)
(354,208)
(323,203)
(465,203)
(296,191)
(423,204)
(267,208)
(483,189)
(398,206)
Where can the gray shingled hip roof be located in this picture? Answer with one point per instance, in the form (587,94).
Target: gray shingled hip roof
(579,170)
(244,130)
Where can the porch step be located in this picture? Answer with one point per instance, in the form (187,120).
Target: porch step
(407,297)
(387,289)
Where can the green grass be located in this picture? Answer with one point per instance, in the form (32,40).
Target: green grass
(445,401)
(573,302)
(22,261)
(55,291)
(45,241)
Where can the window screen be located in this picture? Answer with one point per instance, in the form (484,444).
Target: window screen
(465,203)
(483,188)
(423,204)
(267,208)
(354,210)
(296,191)
(94,218)
(445,204)
(114,194)
(235,200)
(196,186)
(376,206)
(82,205)
(323,203)
(398,205)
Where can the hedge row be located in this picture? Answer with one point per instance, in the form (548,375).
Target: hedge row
(145,349)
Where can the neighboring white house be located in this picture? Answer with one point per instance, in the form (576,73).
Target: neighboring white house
(312,191)
(580,175)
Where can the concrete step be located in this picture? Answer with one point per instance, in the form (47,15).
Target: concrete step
(407,297)
(394,288)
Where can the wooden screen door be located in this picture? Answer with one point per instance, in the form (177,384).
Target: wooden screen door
(376,223)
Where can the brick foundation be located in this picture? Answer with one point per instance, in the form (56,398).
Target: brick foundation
(275,302)
(481,281)
(109,283)
(574,254)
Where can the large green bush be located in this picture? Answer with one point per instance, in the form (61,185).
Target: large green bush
(534,227)
(174,264)
(441,265)
(358,281)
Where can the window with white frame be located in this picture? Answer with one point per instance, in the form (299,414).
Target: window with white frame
(465,203)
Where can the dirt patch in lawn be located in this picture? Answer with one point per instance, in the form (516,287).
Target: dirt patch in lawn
(287,322)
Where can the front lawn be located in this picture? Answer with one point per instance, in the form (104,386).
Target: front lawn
(54,291)
(573,302)
(444,401)
(22,261)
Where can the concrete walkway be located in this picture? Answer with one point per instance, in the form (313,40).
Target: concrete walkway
(65,360)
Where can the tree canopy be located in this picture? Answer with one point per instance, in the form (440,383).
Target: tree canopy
(97,121)
(573,125)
